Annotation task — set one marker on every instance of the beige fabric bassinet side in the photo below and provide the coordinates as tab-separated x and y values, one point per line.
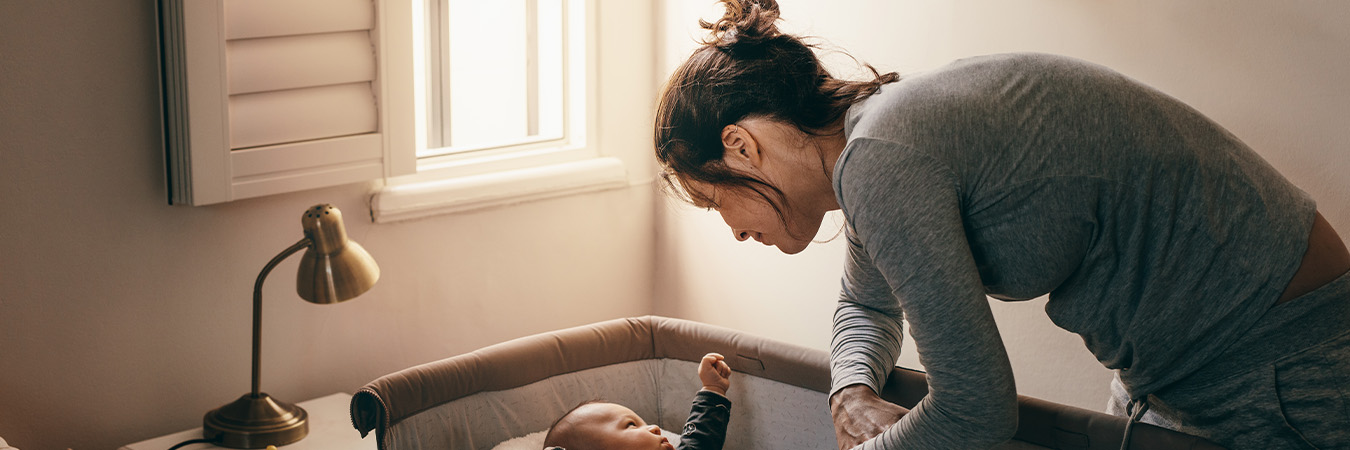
609	352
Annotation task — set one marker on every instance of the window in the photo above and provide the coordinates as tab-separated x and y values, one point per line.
455	105
495	72
505	79
507	105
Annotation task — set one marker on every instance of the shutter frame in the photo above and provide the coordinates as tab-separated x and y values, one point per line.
202	166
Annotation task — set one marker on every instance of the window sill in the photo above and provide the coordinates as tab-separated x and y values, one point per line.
417	200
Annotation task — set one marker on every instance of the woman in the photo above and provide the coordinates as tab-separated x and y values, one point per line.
1186	263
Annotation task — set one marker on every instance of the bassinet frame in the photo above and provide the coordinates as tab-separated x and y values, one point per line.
391	399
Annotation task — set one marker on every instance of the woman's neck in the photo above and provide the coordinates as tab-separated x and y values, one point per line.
829	146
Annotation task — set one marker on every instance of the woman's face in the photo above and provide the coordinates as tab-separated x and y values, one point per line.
750	216
782	156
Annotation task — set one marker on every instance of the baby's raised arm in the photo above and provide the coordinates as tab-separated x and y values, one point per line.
715	374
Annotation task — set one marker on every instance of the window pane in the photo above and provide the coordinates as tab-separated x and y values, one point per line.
502	77
550	68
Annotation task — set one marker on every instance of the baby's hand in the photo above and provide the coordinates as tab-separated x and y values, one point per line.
715	374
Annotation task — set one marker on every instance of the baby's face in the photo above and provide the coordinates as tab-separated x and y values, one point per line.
614	427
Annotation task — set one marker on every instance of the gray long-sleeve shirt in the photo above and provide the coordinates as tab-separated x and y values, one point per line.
1159	236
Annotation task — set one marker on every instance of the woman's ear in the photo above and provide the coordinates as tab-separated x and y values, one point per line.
740	146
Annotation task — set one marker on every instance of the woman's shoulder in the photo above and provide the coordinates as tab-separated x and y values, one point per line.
925	107
1021	62
868	165
966	75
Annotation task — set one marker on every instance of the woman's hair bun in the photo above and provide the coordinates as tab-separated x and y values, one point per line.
746	23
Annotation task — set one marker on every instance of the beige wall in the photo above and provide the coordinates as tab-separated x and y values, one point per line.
123	318
1274	74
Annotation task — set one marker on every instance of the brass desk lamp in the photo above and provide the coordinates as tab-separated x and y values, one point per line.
333	269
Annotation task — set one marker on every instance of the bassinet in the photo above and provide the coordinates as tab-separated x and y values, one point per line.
779	392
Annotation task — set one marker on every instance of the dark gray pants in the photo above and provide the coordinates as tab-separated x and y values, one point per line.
1284	385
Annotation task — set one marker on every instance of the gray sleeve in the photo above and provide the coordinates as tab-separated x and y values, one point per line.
905	210
867	325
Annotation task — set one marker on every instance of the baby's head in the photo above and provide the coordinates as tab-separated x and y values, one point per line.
604	426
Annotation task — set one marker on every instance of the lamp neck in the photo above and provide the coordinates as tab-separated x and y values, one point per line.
257	305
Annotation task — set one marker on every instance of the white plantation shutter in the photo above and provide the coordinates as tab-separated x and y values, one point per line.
272	96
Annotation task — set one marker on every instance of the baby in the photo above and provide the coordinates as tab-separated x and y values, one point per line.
607	426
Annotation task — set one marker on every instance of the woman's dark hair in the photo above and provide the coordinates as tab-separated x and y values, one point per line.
746	68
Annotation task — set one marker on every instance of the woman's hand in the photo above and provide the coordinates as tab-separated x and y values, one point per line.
715	374
859	414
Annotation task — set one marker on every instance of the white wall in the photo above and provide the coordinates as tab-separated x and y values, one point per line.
1274	74
123	318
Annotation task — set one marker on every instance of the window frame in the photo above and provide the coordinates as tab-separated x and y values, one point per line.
518	173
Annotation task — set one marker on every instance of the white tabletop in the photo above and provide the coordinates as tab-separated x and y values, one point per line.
330	428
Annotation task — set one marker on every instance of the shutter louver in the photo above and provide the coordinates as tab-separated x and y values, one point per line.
270	96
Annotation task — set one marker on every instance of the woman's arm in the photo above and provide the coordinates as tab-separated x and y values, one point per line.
867	325
864	348
904	210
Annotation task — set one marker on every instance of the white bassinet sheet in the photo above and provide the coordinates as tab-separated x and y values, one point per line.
535	441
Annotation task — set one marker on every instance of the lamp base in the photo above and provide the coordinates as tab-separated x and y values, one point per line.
256	422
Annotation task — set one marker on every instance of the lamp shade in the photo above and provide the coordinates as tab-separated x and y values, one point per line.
333	268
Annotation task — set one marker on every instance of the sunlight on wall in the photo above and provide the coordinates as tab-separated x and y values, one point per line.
1270	75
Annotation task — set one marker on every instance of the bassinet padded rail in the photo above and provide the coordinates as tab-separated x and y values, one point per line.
779	392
